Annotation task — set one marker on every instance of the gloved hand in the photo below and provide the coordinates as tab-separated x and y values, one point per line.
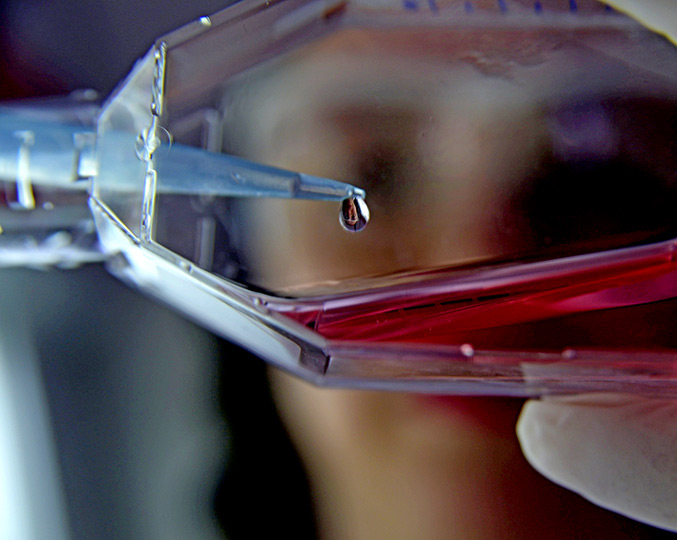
658	15
618	451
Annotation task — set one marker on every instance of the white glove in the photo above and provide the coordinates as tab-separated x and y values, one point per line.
618	451
659	15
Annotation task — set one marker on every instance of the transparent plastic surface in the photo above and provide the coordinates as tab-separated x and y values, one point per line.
515	160
481	136
124	119
497	148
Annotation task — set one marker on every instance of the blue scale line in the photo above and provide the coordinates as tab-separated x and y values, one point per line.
573	6
411	5
538	7
469	8
502	5
433	6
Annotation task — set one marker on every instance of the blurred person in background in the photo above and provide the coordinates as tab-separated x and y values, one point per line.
381	465
443	176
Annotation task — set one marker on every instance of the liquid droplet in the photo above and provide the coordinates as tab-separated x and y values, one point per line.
354	214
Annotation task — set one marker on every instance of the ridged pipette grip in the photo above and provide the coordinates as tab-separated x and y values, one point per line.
44	149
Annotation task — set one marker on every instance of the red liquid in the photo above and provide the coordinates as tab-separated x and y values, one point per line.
629	304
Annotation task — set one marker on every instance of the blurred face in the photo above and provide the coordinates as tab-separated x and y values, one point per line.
432	155
439	153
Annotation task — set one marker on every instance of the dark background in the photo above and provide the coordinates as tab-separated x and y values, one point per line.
156	422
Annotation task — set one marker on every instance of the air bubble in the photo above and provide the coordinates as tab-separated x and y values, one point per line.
205	21
467	350
140	147
261	305
354	214
149	141
569	354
